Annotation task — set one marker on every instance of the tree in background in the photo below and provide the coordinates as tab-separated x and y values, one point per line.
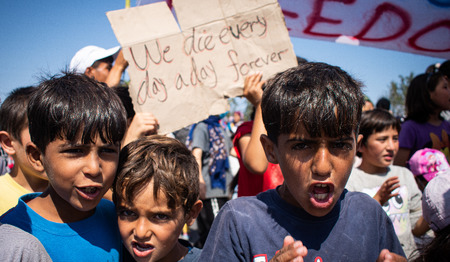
397	94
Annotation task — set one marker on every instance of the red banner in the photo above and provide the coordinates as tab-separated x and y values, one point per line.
421	27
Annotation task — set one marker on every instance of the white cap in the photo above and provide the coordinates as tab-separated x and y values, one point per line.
87	55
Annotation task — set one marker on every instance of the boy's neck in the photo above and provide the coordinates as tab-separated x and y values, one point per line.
29	182
52	207
371	169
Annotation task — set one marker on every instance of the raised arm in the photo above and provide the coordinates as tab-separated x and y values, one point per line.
115	74
251	149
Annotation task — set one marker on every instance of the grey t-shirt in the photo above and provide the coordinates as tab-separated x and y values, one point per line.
404	210
18	245
200	139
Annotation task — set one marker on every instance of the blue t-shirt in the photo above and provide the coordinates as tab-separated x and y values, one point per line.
95	238
253	229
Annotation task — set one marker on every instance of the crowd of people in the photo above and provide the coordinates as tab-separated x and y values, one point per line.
323	174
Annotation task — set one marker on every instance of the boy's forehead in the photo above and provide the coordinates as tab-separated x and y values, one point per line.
300	133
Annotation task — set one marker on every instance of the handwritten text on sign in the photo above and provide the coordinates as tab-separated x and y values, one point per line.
186	76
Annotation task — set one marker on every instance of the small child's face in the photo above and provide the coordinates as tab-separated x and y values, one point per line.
150	229
315	170
80	174
379	151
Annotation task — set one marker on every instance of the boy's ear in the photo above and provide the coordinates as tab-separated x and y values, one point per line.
89	71
359	143
34	156
269	148
6	142
193	214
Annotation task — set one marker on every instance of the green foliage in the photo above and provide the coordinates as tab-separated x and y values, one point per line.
397	94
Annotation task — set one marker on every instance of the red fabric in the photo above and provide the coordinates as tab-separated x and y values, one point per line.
250	184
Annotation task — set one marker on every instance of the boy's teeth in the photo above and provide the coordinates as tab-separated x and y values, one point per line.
90	190
321	185
142	247
320	196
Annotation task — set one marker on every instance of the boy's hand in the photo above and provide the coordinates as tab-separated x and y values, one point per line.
386	256
253	88
292	251
385	191
143	124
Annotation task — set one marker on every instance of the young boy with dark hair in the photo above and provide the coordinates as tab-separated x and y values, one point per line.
311	114
156	193
392	186
76	125
14	136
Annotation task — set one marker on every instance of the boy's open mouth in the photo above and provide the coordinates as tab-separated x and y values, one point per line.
141	249
89	192
321	193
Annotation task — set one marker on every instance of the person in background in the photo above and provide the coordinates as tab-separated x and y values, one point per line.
97	62
368	105
384	103
436	211
211	148
393	187
428	95
255	174
426	164
14	137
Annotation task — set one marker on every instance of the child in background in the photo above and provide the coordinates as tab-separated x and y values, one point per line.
76	125
392	186
426	164
256	174
14	136
156	193
428	95
436	211
311	114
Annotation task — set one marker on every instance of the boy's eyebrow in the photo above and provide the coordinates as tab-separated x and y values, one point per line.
313	140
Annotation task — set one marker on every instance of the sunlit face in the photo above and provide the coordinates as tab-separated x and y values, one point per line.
150	229
101	72
21	156
441	95
379	151
315	170
79	174
367	106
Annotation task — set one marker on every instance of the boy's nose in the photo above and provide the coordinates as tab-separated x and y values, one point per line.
92	166
321	165
142	230
390	144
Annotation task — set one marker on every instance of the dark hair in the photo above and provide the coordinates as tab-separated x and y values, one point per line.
383	103
321	97
375	121
124	95
167	162
109	60
437	249
13	111
445	68
419	105
72	105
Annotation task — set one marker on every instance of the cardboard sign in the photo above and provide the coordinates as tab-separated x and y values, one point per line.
183	76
